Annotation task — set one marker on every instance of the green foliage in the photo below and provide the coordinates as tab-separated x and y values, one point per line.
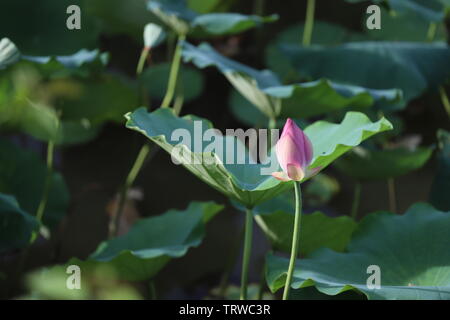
413	265
22	175
441	185
178	16
16	225
367	164
245	182
276	219
155	78
265	91
414	67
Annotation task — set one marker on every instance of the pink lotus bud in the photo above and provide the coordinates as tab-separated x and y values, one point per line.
294	153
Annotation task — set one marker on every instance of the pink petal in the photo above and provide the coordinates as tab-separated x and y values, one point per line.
280	175
295	172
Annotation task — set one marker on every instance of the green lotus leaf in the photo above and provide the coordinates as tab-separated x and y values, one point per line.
413	67
16	225
405	27
178	16
153	241
232	170
429	10
265	91
324	33
367	164
441	184
71	110
276	219
80	63
23	175
412	264
155	79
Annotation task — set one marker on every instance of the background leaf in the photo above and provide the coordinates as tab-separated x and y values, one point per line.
413	265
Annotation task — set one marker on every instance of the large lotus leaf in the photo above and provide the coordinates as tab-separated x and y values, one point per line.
106	97
153	241
78	63
23	175
231	170
324	33
16	225
367	164
155	79
404	27
40	28
178	16
63	110
439	195
265	91
429	10
276	219
411	66
413	264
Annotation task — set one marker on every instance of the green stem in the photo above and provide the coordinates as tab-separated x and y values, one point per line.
431	34
48	182
152	290
173	77
295	239
309	22
392	196
144	54
444	99
356	199
247	251
140	159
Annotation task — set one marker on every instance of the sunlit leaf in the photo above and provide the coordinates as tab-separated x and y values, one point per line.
413	264
231	169
265	91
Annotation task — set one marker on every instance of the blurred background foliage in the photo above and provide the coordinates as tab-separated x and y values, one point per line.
73	87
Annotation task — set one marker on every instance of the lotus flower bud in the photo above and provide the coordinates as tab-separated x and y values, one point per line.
294	153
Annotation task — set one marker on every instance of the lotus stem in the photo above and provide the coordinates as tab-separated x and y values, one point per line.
47	186
444	99
144	55
431	34
247	252
174	71
356	199
392	196
129	181
295	239
309	22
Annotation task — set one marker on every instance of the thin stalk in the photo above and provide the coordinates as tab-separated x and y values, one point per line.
444	99
392	196
262	284
309	22
141	64
173	77
356	199
295	239
48	183
431	34
152	290
140	159
247	251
